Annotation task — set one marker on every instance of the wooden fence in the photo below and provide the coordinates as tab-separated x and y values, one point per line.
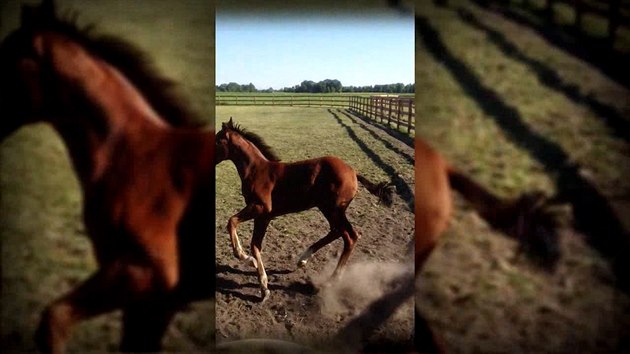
616	12
388	110
284	100
398	111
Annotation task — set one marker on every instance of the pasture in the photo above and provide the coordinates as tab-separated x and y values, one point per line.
45	251
296	311
518	113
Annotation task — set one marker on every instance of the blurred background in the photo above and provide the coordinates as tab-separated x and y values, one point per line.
520	97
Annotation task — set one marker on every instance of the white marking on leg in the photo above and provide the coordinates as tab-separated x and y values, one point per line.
252	260
264	290
304	257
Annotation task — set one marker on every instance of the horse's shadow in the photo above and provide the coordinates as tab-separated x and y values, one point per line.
230	287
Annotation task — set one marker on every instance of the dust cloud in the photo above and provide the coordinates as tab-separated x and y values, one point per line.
360	285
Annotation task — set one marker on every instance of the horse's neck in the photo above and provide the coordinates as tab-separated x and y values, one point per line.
97	106
248	159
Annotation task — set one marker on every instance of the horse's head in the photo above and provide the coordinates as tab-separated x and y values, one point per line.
232	137
22	99
223	142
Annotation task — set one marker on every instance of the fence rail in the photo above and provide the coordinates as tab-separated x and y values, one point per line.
399	111
393	111
614	11
284	100
610	9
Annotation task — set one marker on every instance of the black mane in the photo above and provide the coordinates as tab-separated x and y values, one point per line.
134	63
255	139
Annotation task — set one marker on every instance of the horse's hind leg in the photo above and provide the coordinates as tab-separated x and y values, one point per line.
332	235
108	289
333	217
350	237
260	226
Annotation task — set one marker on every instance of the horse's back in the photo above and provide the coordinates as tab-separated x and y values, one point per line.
320	182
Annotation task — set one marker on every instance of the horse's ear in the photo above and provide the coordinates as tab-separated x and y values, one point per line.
223	126
231	123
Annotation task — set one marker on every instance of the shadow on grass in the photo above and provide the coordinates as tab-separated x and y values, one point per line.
406	139
548	77
592	213
594	51
402	188
385	142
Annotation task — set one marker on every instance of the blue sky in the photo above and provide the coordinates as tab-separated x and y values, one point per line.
282	52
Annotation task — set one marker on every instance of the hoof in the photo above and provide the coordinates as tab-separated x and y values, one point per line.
264	293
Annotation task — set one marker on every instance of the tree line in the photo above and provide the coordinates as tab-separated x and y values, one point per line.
324	86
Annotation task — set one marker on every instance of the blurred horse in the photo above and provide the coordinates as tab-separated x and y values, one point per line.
530	218
272	188
148	186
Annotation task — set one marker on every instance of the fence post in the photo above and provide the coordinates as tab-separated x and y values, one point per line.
398	117
364	106
371	108
389	111
410	115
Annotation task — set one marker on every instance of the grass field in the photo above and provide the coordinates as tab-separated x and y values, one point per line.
45	251
517	113
311	94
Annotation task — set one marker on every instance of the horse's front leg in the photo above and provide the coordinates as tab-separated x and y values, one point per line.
112	287
260	227
249	212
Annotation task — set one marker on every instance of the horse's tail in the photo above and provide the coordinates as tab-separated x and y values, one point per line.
383	190
531	217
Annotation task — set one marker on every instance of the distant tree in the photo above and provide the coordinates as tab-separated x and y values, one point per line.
248	88
233	87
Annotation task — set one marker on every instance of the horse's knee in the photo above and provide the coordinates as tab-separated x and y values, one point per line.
231	225
350	239
168	279
145	279
54	328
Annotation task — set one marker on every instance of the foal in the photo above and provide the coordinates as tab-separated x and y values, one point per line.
147	186
272	188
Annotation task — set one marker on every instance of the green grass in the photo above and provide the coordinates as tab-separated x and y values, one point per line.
302	133
45	251
310	94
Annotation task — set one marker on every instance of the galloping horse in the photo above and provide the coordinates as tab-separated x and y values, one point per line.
272	188
530	218
148	187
